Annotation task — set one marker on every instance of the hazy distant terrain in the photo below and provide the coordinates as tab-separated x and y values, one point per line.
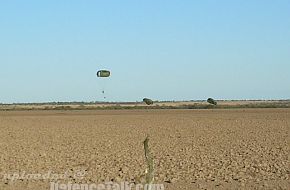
140	105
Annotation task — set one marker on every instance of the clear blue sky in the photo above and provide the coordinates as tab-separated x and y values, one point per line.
165	50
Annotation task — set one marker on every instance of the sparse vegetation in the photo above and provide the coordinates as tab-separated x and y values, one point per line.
223	104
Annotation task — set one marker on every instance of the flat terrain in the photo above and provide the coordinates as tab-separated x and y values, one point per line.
193	149
194	104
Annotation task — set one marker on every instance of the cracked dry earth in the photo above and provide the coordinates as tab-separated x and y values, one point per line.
193	149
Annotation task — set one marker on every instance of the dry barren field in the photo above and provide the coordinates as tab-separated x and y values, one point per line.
193	149
193	104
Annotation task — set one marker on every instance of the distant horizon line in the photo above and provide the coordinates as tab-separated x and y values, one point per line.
124	102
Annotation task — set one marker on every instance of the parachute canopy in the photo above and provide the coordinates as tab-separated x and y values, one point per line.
211	101
103	73
148	101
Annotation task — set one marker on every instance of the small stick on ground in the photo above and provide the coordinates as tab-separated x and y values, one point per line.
150	164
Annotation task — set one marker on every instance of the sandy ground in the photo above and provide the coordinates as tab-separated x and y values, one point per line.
193	149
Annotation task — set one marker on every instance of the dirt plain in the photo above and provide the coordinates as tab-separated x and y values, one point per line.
193	149
193	104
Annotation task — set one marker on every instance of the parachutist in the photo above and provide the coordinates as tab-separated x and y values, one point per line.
103	74
211	101
148	101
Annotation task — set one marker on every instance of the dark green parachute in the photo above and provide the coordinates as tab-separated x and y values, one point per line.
103	73
148	101
211	101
